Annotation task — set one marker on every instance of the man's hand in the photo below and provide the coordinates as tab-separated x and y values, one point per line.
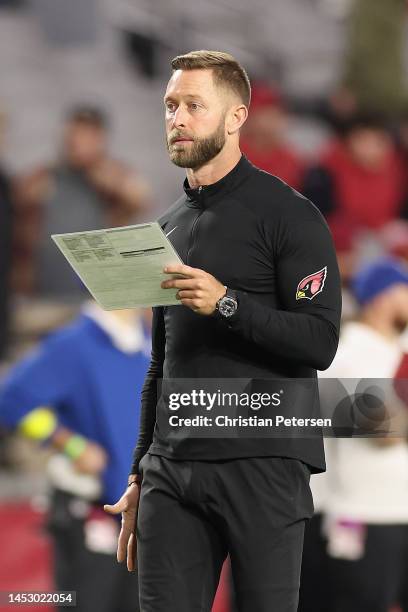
92	460
198	290
87	457
128	505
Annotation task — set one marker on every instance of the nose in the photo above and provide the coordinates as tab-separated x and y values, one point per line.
180	117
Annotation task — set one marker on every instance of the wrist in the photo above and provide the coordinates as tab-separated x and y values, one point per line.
134	479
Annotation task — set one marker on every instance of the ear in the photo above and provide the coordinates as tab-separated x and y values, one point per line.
236	118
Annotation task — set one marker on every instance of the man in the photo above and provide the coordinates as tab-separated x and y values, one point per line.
358	183
78	392
265	140
260	297
82	190
359	180
364	494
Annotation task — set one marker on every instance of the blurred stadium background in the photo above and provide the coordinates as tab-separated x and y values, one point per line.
82	145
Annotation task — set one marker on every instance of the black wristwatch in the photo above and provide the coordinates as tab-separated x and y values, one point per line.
227	305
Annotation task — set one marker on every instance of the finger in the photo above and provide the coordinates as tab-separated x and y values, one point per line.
123	540
117	508
131	552
182	269
181	295
180	283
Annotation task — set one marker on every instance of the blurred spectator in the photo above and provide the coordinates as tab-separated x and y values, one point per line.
264	137
315	594
83	190
401	388
5	244
79	392
374	61
394	238
358	183
402	135
401	379
366	496
340	108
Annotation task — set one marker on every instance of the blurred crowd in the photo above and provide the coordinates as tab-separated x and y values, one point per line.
72	373
83	188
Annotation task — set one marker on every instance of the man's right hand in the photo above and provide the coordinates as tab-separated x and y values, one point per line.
128	505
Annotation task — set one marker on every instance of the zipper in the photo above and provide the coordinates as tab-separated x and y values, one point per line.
192	233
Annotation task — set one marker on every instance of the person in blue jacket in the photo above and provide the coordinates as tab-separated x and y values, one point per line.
79	392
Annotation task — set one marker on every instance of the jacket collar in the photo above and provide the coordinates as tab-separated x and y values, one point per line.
203	196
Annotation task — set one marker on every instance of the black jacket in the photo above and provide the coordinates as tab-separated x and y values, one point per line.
261	238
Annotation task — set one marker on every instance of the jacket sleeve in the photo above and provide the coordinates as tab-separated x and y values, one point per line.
150	391
42	379
305	326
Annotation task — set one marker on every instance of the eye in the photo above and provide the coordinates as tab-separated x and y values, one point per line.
194	106
170	107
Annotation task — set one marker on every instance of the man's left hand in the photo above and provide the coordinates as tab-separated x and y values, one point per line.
199	290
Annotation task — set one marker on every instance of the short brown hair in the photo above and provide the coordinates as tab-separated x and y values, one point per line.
88	115
226	70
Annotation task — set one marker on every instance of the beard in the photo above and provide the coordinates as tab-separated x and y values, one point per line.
200	151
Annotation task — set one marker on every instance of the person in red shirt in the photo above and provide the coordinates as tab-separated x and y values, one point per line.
359	179
264	137
402	142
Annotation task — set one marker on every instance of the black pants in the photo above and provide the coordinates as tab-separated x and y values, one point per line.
101	584
193	513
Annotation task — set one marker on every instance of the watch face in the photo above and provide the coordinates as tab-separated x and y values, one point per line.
227	307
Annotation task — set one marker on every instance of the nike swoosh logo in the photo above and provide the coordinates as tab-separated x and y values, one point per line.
171	231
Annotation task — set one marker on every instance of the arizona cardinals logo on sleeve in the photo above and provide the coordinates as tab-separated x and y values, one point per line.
311	285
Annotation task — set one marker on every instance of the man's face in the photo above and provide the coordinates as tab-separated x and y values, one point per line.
84	143
394	301
195	118
400	296
369	147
